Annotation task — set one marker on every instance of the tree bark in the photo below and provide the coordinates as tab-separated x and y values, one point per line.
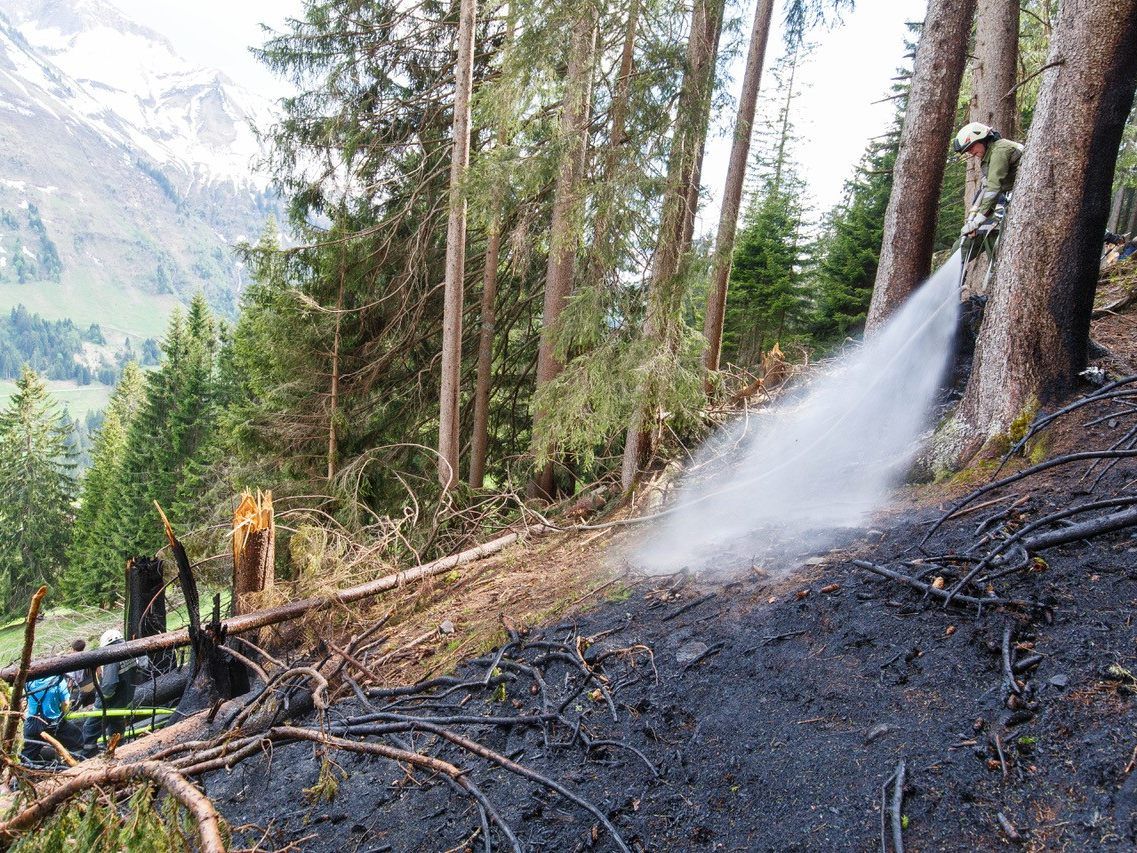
334	390
1034	339
993	74
564	234
910	219
254	549
680	202
732	192
448	435
1115	210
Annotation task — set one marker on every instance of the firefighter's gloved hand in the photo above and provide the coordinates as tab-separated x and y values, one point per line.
974	221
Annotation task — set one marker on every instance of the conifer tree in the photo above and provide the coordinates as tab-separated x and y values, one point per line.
170	439
94	568
768	297
36	492
851	236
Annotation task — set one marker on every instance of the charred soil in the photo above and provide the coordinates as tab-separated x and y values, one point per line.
763	715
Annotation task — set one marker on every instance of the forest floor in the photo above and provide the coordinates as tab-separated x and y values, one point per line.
770	713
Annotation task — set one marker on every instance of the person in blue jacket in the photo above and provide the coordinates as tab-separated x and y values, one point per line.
48	699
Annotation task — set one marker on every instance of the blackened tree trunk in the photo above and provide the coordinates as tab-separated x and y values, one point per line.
993	75
1034	339
448	435
910	220
732	192
564	236
661	326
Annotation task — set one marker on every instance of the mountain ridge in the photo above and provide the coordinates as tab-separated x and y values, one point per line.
122	178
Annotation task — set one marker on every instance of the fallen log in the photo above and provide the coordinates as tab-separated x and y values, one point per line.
1106	524
57	664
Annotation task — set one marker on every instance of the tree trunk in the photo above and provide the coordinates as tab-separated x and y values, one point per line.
680	201
732	193
602	241
1115	210
480	439
448	440
334	391
1034	340
910	220
563	235
254	550
993	75
1131	225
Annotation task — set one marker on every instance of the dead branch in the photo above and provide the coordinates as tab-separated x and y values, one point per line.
1085	530
58	664
15	705
1035	525
173	782
436	765
897	806
928	589
1009	684
532	775
1021	475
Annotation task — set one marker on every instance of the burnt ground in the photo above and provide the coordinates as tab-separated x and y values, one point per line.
784	732
783	735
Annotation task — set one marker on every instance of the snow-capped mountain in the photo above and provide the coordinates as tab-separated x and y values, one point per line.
193	120
120	162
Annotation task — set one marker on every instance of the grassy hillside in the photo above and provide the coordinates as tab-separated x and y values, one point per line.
120	310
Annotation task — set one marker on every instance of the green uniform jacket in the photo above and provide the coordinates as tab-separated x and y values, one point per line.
1000	165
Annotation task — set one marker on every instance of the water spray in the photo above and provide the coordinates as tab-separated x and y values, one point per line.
822	460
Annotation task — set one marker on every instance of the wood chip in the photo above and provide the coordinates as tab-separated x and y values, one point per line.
832	587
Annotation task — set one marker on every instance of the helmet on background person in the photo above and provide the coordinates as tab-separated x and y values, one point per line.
111	635
971	133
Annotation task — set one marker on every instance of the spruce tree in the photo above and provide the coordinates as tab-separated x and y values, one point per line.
36	491
170	440
94	568
850	244
768	298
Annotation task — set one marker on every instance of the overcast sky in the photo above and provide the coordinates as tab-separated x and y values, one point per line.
850	68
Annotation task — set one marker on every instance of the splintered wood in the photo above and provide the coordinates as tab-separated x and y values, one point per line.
254	549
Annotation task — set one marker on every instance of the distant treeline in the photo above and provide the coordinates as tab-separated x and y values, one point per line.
51	348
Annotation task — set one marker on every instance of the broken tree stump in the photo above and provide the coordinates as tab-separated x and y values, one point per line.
146	606
254	550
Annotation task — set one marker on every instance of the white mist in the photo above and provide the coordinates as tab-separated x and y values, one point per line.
792	479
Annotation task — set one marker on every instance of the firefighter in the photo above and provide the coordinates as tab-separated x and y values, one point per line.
114	688
48	699
999	162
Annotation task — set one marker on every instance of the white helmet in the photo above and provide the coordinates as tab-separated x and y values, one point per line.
971	133
111	635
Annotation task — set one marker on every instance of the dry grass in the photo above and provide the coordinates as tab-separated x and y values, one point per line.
529	584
